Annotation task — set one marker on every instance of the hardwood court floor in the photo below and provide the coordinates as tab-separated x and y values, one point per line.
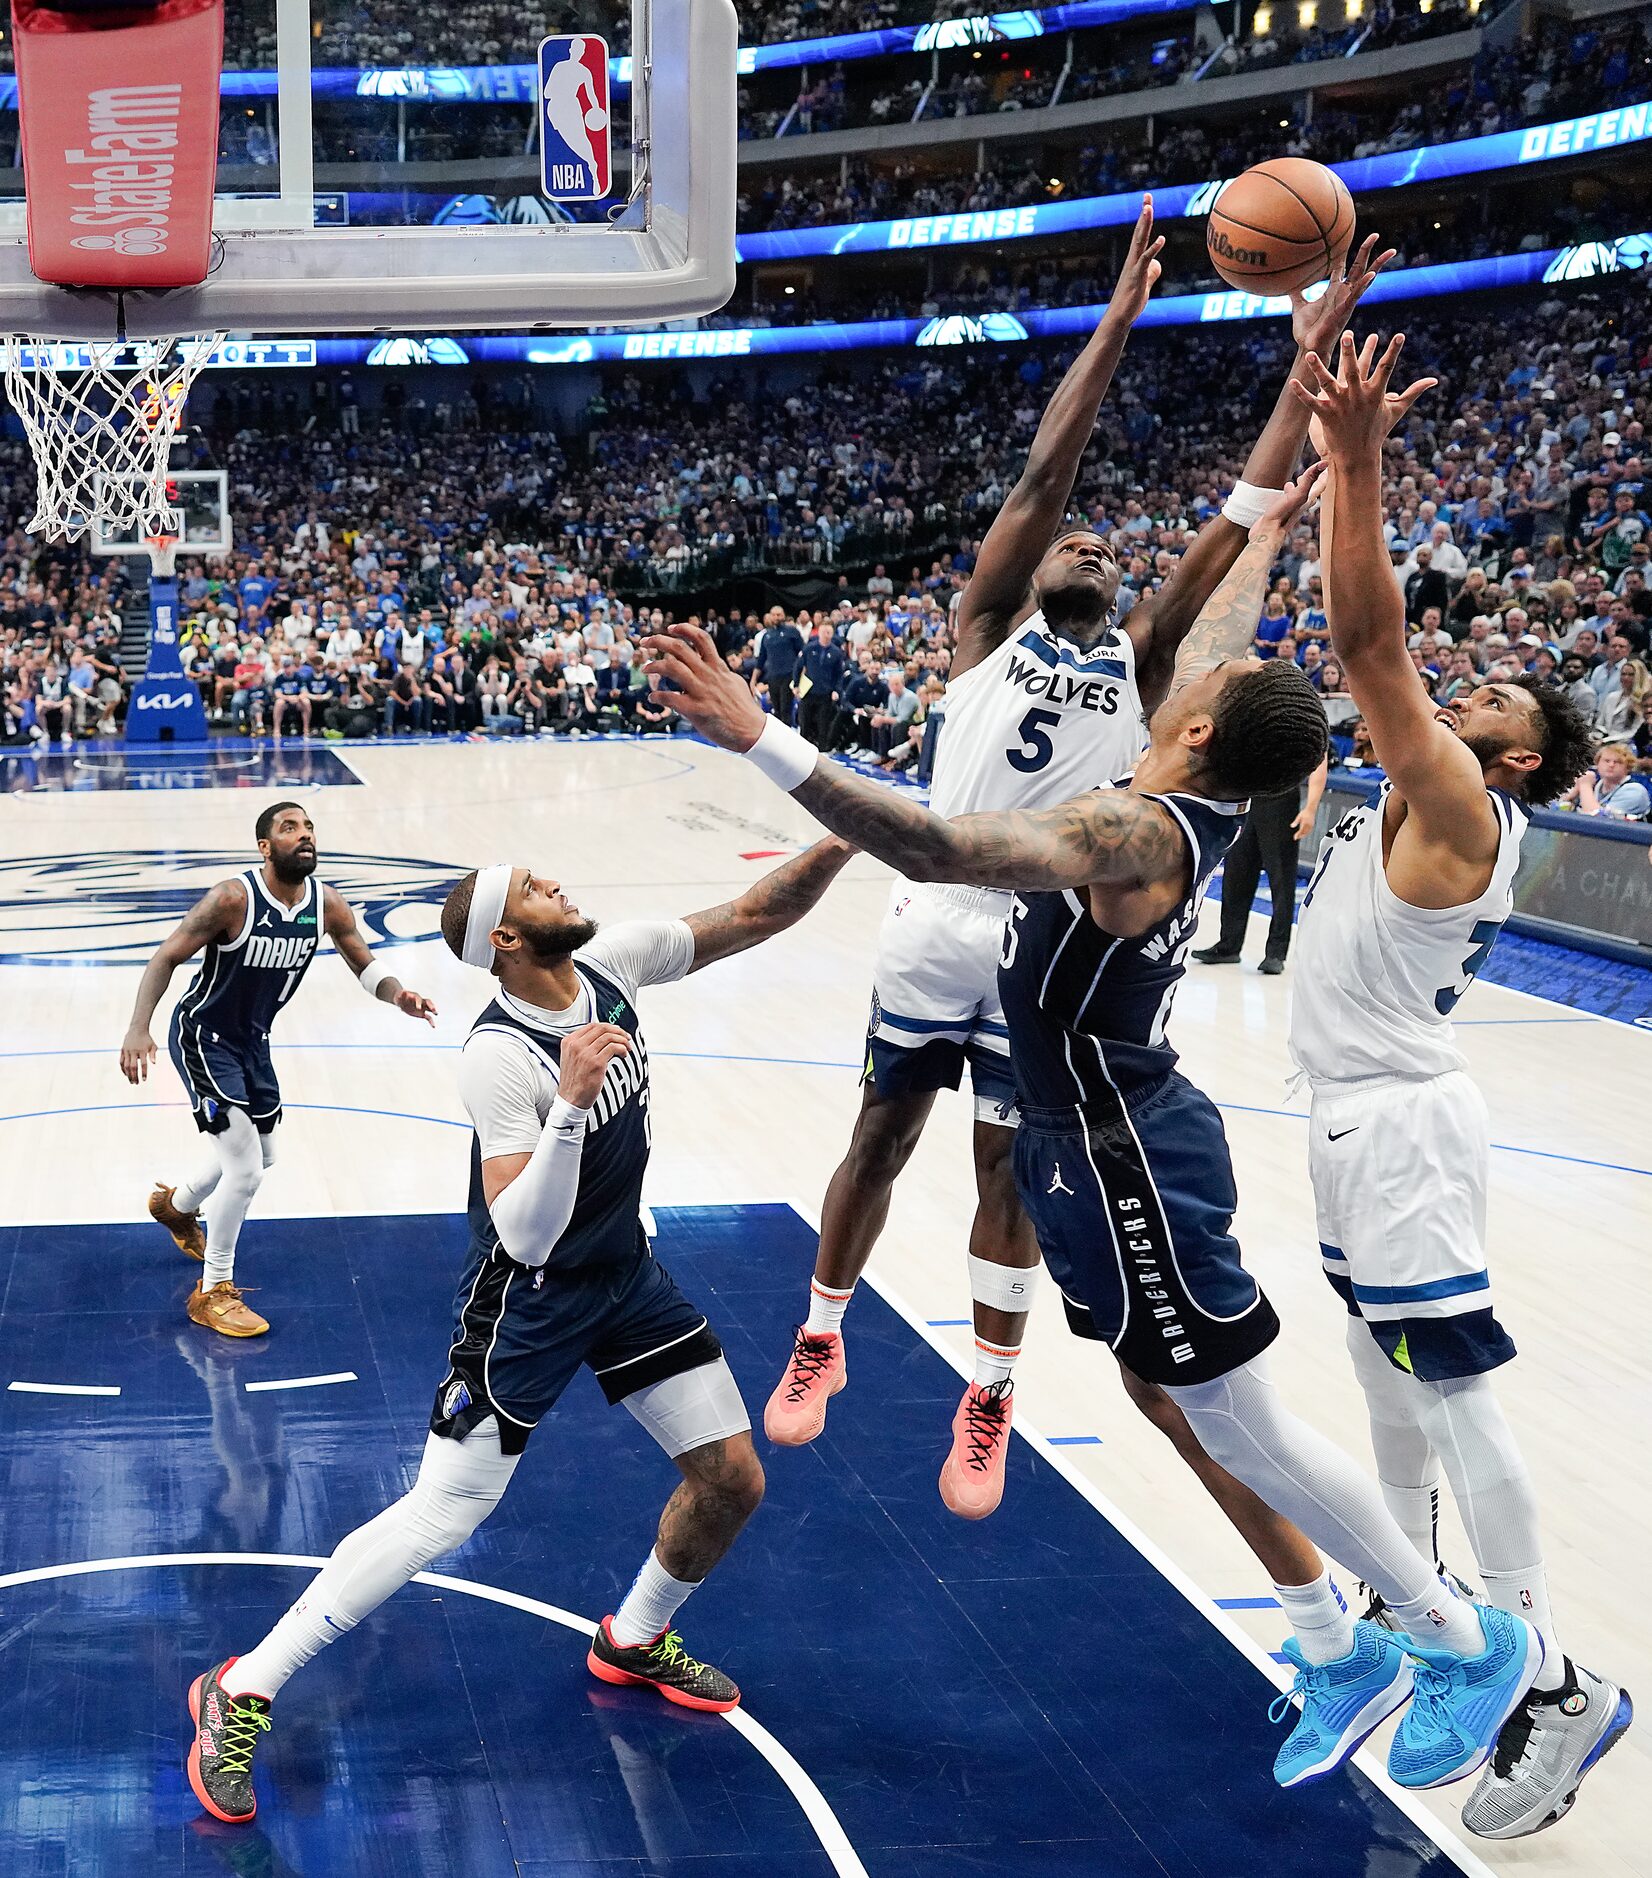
755	1086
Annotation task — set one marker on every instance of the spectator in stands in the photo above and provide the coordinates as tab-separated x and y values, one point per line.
1621	716
1609	788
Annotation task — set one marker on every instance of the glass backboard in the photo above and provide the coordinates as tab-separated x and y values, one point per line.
389	165
200	499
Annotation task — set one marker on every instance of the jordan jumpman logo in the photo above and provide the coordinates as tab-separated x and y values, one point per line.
1058	1185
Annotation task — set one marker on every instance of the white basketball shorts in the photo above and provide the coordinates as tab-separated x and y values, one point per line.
935	997
1399	1172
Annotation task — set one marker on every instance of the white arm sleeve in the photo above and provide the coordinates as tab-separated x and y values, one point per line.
501	1085
641	952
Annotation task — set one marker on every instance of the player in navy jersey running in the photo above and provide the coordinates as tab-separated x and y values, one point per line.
259	933
1123	1166
560	1273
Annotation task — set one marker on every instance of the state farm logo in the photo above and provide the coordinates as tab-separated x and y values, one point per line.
131	134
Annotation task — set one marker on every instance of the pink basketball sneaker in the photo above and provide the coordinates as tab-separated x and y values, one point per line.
972	1480
796	1412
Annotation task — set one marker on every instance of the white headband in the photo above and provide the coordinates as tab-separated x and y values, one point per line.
487	908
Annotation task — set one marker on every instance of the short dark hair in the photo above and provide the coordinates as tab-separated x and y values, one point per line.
261	828
456	913
1268	732
1568	744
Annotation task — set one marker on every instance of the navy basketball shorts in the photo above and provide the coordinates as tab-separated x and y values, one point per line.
1133	1213
935	998
522	1333
223	1073
1400	1172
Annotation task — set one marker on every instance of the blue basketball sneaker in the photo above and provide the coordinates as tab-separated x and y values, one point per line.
1342	1702
1460	1703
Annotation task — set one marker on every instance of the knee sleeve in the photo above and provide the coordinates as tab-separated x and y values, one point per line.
1405	1454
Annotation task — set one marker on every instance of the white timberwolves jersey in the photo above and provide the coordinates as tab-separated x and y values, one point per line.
1037	722
1375	979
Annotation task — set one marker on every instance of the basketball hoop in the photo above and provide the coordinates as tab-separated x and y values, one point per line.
101	417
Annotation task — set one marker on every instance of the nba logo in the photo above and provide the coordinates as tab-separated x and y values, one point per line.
575	153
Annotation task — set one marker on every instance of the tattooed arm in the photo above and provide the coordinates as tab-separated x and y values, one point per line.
780	899
1110	838
1226	627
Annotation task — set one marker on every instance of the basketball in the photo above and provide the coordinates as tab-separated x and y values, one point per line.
596	118
1280	226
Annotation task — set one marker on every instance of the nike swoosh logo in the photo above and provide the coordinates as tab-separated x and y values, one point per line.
1346	1131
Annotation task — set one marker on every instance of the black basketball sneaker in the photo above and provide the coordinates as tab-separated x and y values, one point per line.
662	1664
220	1757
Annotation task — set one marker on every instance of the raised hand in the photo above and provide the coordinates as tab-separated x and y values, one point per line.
1141	269
1290	502
1316	325
1354	407
715	700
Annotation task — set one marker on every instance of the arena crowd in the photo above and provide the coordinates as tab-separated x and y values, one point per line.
458	569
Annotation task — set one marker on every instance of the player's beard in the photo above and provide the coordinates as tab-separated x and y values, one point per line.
548	947
293	869
1486	747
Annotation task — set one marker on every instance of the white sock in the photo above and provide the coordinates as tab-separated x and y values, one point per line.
459	1484
993	1362
649	1605
1526	1594
1319	1617
826	1308
1440	1620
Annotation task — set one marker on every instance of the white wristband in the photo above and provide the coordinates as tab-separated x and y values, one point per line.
783	755
373	977
565	1117
1249	503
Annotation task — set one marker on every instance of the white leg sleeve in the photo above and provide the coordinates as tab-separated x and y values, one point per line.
1494	1495
242	1163
192	1192
1408	1469
1242	1424
459	1484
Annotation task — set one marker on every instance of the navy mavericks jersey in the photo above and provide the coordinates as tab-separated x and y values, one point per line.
244	981
603	1228
1087	1011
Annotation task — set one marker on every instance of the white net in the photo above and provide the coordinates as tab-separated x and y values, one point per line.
101	419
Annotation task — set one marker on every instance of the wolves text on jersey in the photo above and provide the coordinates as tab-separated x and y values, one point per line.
1064	688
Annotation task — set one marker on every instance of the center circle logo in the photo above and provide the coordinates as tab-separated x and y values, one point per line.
113	906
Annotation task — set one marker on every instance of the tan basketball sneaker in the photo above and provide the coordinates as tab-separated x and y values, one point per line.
221	1309
184	1227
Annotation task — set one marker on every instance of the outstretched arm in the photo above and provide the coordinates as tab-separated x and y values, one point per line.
1158	624
1226	627
1109	838
1023	528
1435	773
780	899
339	923
216	915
